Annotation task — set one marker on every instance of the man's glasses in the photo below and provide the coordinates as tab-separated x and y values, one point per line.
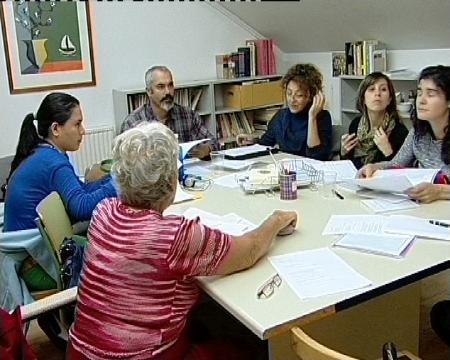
267	289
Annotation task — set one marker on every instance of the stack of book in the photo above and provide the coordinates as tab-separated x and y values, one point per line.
233	124
136	100
261	119
257	57
188	97
364	57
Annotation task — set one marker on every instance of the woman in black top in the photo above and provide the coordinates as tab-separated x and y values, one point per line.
377	134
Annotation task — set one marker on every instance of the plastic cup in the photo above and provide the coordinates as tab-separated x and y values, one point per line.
327	184
217	158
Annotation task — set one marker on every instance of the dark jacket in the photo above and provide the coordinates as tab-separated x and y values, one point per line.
289	131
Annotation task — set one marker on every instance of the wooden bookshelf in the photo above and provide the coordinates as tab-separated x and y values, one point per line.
209	98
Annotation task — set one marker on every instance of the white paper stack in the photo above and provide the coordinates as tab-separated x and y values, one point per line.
230	224
318	272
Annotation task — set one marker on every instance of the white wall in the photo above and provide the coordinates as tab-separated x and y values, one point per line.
413	60
128	38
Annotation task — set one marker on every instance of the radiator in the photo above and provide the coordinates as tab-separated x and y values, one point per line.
96	146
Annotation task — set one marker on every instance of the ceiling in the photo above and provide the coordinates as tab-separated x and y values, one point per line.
324	25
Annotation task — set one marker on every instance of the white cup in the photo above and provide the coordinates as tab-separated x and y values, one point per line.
327	184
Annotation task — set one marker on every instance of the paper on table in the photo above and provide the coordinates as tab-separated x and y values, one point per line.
344	169
236	164
372	194
181	195
317	272
230	224
245	150
382	206
187	146
228	181
387	244
411	225
343	224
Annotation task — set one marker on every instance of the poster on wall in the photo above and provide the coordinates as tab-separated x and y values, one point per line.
47	44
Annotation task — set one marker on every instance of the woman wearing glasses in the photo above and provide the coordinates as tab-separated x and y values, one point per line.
137	286
303	127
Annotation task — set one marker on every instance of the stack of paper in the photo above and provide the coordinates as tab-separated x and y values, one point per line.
382	206
317	272
396	180
389	245
366	233
411	225
230	224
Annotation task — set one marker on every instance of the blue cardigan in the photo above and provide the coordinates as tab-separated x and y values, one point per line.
46	170
290	132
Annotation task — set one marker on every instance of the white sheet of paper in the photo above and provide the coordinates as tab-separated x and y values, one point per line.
181	195
187	146
237	164
344	169
383	206
372	194
394	183
230	224
387	244
411	225
364	224
396	180
245	150
228	181
317	272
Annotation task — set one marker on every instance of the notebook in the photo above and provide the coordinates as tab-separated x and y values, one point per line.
248	152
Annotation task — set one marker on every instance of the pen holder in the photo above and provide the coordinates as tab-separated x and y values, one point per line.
288	185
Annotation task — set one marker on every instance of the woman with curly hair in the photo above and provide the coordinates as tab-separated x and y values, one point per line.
428	142
377	134
303	127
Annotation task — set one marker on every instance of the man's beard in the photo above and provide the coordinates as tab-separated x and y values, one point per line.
167	103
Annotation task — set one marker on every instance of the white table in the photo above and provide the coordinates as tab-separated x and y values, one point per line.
271	317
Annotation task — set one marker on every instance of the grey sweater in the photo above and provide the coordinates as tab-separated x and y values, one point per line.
422	152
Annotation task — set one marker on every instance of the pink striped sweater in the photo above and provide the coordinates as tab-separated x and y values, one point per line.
137	284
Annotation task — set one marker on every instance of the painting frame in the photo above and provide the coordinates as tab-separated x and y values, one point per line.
60	74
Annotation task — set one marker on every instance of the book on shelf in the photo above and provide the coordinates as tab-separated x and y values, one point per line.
196	94
364	57
251	45
257	57
246	60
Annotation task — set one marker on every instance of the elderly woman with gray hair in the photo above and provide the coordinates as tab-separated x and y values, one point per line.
137	285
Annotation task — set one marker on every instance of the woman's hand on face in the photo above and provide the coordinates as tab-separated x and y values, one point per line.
317	105
425	192
381	140
348	143
367	171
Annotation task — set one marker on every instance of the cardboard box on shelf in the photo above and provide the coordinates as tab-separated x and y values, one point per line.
246	96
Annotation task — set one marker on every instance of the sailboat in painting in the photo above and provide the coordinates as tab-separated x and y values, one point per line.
67	47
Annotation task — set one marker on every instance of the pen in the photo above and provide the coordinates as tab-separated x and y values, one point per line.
338	195
439	223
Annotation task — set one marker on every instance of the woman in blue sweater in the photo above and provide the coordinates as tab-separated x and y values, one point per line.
303	128
41	166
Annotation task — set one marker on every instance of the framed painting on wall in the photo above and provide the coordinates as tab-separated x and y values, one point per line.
47	44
